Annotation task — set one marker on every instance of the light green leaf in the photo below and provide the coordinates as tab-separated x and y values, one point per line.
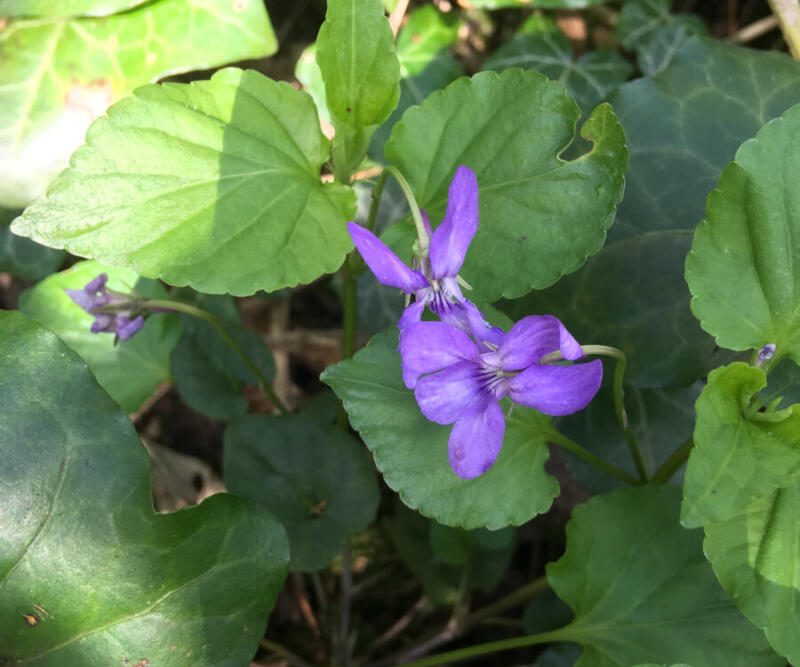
213	184
208	374
755	555
661	419
645	592
541	216
649	28
589	79
741	269
411	452
307	72
22	257
57	77
129	371
356	54
16	8
683	126
739	453
316	479
100	577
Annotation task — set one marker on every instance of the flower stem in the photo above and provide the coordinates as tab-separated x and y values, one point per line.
673	463
199	313
376	200
422	233
581	452
788	15
523	594
483	649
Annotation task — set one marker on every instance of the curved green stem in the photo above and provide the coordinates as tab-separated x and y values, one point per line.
673	463
518	597
199	313
581	452
422	233
376	200
483	649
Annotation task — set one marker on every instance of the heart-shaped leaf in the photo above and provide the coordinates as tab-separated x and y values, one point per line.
129	371
541	216
742	267
411	452
644	592
58	76
213	184
314	477
88	572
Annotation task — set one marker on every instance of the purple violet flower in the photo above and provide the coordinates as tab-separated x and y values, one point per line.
458	381
434	283
94	296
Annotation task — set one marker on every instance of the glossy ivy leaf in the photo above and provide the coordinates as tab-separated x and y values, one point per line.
654	32
510	129
426	64
683	126
356	55
213	184
88	571
58	76
739	453
48	8
411	452
208	374
664	604
754	555
316	479
129	371
22	257
589	79
662	419
741	269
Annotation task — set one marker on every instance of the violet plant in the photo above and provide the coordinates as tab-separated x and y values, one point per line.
665	238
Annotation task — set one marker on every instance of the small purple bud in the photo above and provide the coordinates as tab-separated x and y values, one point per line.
94	298
766	353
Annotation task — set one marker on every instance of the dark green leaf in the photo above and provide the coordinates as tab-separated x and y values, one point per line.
316	479
209	375
540	215
213	184
411	452
739	454
129	371
22	257
645	592
58	76
741	269
88	572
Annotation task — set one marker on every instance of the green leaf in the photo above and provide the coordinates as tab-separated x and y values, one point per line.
22	257
356	54
307	72
754	555
739	453
16	8
647	593
213	184
661	419
683	126
411	452
541	216
589	79
316	479
99	576
208	374
741	269
649	28
57	77
129	371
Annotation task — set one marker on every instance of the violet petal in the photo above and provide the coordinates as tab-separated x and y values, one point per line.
475	441
411	315
557	390
388	268
533	337
97	284
82	298
127	327
103	322
451	393
451	239
427	347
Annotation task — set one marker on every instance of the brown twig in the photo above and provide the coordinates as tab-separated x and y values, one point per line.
401	624
397	16
753	30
